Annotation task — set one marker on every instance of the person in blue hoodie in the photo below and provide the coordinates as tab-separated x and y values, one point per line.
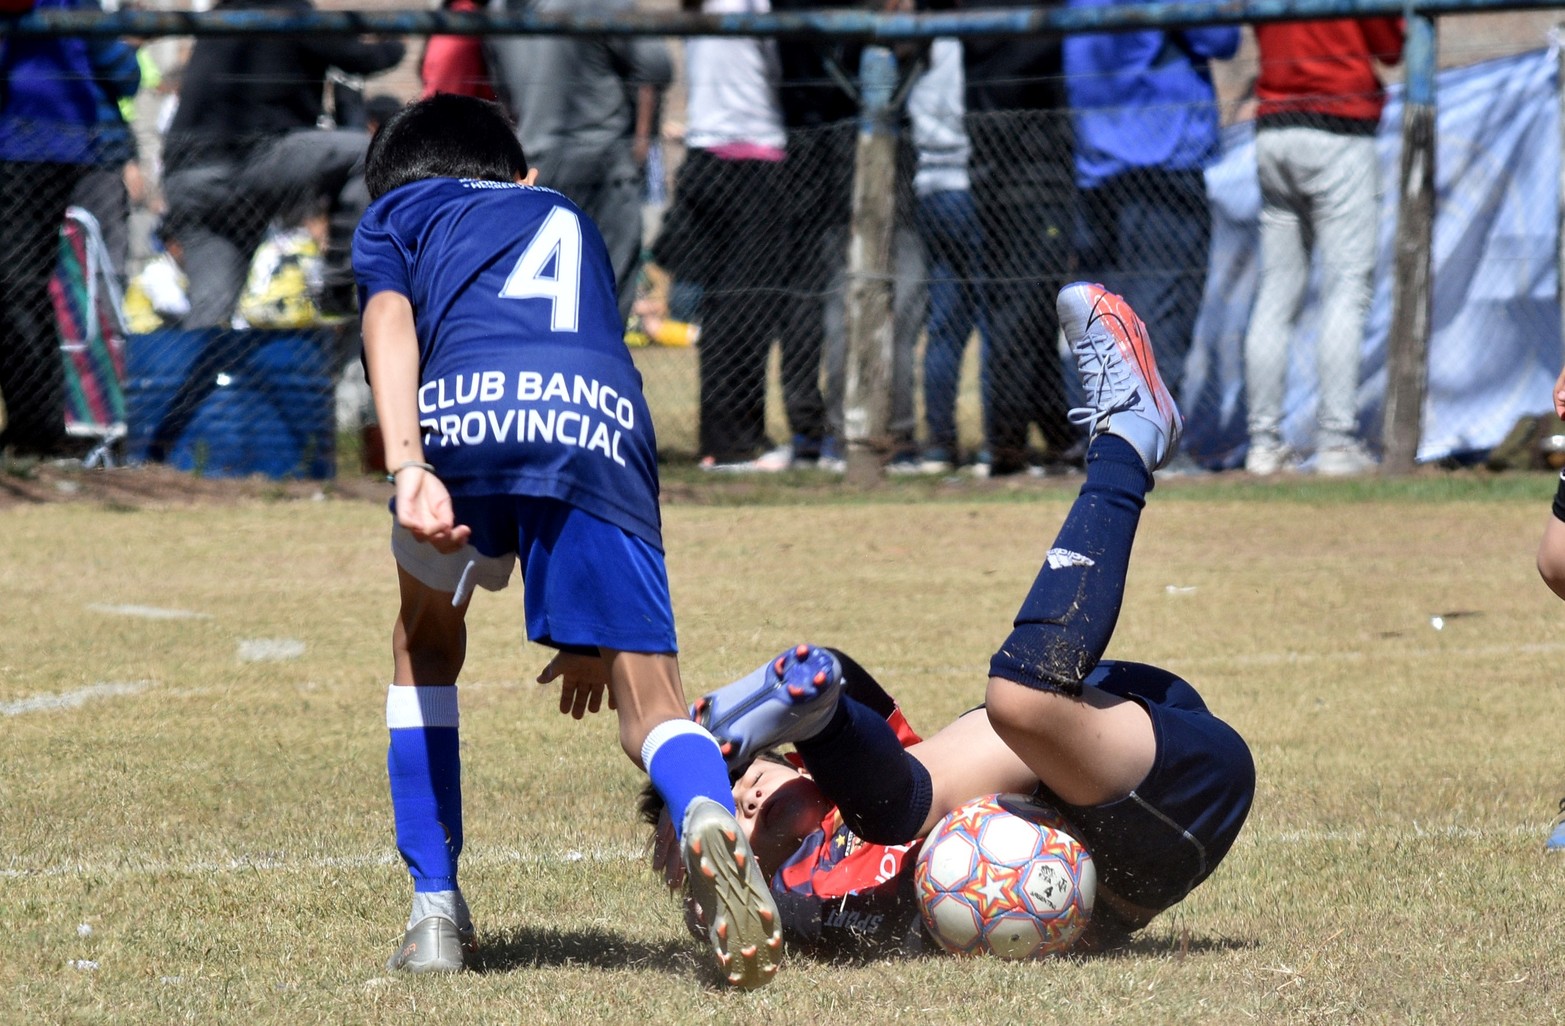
51	91
1147	126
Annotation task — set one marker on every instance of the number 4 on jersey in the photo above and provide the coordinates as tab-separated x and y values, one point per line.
558	243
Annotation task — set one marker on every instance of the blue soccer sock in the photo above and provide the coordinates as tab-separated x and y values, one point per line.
425	769
858	762
684	763
1069	615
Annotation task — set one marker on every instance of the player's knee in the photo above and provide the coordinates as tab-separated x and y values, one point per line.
1010	711
1044	659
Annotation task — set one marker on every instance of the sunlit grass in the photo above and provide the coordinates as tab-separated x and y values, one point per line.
205	838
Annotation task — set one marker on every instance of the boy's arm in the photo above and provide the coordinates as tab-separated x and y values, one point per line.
391	358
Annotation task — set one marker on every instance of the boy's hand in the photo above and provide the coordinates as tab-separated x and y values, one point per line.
1559	396
424	508
583	680
667	856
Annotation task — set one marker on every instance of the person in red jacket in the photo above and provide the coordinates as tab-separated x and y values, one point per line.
456	64
1320	98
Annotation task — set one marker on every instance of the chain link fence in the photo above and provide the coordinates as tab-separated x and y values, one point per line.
224	341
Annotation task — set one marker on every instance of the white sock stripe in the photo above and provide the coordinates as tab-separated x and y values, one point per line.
408	707
665	731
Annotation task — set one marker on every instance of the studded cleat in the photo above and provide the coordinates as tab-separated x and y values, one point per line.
789	699
721	876
1125	394
434	944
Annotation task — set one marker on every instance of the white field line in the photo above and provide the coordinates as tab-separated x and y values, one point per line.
270	650
72	699
148	612
277	862
1360	656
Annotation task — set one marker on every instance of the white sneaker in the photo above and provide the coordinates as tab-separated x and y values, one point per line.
1182	465
1267	457
772	462
1125	394
1346	460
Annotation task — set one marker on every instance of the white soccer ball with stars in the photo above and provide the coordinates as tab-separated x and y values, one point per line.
1001	876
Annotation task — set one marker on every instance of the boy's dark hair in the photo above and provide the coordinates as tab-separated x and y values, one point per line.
445	136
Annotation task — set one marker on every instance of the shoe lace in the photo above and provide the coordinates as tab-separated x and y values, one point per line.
1108	382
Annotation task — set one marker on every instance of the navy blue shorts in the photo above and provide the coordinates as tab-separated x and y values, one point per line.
1155	845
585	582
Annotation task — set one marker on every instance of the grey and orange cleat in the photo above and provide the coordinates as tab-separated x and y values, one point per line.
740	914
789	699
1125	394
434	944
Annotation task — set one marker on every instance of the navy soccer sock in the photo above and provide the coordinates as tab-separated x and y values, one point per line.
1068	616
684	763
425	770
857	760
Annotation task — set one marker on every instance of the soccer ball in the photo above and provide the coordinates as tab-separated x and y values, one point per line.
1000	876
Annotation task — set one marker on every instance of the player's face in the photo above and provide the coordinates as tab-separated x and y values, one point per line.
778	808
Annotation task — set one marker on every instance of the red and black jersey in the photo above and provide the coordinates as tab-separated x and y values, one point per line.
840	892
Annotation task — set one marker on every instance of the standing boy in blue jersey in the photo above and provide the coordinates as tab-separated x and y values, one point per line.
515	429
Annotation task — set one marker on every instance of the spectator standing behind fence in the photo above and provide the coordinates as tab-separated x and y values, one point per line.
51	95
1147	126
722	229
1024	191
574	99
948	227
820	107
1320	99
245	145
456	64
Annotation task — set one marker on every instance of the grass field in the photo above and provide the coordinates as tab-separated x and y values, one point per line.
194	825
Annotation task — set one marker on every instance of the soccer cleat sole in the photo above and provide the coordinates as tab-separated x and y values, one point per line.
742	924
788	699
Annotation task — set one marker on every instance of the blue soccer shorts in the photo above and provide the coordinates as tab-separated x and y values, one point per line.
1153	846
585	582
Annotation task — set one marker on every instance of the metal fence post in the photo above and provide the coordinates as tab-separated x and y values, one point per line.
866	397
1407	349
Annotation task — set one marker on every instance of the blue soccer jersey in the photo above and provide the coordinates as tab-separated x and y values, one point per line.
525	384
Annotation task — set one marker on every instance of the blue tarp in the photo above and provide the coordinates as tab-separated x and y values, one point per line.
1495	346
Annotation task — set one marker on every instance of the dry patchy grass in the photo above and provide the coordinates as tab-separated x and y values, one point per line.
191	832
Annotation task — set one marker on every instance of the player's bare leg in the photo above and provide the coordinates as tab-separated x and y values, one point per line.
429	638
721	873
1089	749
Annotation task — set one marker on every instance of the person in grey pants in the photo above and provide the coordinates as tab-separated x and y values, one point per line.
575	101
1320	101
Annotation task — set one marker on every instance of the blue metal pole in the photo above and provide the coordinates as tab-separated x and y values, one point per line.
861	25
